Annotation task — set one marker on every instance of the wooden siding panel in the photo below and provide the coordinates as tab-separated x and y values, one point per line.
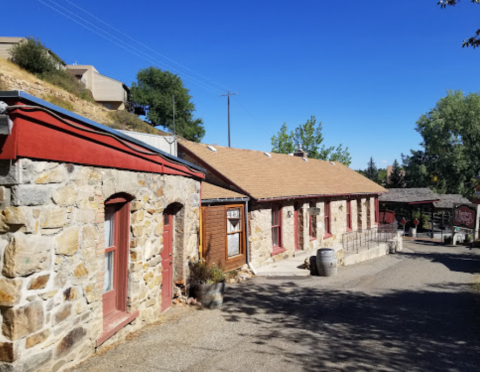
215	239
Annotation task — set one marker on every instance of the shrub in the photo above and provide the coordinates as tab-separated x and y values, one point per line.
201	273
68	82
128	121
59	102
32	56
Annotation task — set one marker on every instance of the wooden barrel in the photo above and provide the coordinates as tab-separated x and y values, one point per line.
210	295
327	262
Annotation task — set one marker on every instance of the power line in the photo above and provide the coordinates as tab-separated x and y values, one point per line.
145	46
128	46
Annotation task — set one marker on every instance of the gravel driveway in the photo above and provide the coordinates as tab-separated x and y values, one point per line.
413	311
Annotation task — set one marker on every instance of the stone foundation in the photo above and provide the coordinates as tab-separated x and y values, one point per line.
52	256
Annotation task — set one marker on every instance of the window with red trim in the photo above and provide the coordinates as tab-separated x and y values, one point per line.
328	231
349	215
377	210
276	227
312	224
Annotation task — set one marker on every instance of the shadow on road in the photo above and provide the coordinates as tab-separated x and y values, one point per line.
459	262
320	329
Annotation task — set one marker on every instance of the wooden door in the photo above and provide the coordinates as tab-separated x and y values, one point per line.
296	226
167	262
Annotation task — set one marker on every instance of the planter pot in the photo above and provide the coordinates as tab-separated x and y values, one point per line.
209	295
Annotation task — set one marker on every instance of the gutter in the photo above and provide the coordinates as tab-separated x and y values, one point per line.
315	196
220	200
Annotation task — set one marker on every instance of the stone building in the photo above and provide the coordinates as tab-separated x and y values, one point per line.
95	229
296	203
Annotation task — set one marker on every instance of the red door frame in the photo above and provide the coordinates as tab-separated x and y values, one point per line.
116	299
167	261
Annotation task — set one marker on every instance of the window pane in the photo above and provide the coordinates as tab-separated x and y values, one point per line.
233	244
166	219
109	226
275	237
233	225
108	279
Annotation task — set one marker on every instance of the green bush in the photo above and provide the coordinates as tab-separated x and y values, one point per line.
68	82
201	273
32	56
36	59
128	121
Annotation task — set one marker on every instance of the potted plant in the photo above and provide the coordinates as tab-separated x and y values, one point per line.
206	283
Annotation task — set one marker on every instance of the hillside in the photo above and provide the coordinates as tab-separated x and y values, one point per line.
14	78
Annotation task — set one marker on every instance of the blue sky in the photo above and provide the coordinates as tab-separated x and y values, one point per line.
366	69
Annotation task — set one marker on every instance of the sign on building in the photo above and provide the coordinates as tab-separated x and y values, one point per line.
464	216
314	211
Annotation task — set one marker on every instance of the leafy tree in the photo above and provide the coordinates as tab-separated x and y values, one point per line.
382	176
154	90
451	142
473	41
372	172
396	179
309	137
284	143
32	56
416	172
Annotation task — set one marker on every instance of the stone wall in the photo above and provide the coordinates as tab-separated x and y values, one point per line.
261	232
52	256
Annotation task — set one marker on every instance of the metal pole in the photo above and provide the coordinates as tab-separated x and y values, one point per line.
228	96
229	121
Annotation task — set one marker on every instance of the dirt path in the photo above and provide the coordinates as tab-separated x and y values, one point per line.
413	311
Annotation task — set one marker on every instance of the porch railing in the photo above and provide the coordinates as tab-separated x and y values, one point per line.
357	241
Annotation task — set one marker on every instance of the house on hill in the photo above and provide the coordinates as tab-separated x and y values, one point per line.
295	203
7	43
111	93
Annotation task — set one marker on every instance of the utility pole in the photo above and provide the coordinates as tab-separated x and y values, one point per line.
228	95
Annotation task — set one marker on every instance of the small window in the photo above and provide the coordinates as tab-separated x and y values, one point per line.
312	226
349	215
234	231
328	230
277	227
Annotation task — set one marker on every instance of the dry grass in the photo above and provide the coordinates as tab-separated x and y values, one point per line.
113	119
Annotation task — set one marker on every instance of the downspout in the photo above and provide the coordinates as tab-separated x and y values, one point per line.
248	240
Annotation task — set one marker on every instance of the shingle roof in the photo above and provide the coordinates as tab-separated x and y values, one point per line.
413	195
210	191
447	201
279	175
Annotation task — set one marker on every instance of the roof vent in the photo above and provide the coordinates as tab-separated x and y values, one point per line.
291	154
305	159
267	154
212	149
332	163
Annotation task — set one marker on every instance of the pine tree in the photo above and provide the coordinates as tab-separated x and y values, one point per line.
397	177
372	172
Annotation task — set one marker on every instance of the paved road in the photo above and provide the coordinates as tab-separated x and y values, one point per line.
413	311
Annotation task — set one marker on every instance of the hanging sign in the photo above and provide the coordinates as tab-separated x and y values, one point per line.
403	221
416	222
464	216
314	211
